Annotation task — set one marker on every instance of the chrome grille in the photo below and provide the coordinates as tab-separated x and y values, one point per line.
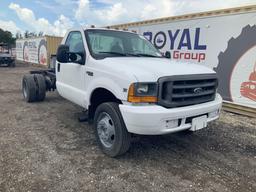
178	91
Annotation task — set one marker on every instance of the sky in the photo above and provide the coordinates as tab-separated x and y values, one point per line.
54	17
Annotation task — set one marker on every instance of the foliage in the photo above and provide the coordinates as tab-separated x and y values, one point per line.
28	34
6	37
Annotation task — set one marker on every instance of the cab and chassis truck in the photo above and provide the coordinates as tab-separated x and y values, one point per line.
126	87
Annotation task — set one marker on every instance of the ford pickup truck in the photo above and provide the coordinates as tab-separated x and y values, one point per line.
127	87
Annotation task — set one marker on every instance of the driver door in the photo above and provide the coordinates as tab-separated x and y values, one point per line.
71	75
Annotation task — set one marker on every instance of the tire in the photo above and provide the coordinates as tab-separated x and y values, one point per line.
41	87
108	115
228	59
29	88
12	64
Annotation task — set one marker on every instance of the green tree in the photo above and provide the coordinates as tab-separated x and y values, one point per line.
26	34
40	34
6	37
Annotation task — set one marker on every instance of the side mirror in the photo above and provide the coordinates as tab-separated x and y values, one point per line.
63	53
72	57
80	58
167	54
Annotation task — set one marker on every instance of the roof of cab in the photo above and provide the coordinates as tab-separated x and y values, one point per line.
107	29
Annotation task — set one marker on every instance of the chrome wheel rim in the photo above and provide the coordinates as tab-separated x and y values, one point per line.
106	130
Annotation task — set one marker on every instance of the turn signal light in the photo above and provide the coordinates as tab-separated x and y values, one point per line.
133	98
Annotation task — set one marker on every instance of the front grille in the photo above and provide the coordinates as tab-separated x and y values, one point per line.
178	91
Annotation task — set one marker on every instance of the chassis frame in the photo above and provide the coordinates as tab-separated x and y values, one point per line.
50	78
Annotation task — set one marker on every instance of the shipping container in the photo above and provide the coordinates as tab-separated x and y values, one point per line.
224	40
37	50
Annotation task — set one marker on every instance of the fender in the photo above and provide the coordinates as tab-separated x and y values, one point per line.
108	84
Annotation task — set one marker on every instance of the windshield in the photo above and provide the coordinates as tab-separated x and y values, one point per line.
4	49
106	43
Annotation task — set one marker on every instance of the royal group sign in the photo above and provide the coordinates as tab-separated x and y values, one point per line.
179	40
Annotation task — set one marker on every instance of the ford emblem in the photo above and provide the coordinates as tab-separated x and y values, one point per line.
198	90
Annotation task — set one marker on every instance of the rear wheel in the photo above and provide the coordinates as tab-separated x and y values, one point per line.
29	88
34	87
110	130
41	87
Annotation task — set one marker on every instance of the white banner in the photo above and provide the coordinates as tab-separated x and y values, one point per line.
32	50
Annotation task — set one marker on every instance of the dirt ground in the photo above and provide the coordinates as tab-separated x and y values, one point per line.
43	147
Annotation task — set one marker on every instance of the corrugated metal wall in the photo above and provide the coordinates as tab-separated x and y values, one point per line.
52	46
219	12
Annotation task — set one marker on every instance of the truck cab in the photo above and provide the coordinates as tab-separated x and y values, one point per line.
6	57
128	87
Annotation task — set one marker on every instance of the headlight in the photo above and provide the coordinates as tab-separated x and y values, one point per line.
142	88
143	93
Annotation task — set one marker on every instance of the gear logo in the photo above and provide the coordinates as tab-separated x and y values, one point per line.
236	68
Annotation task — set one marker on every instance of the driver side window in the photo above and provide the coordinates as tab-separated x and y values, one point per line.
75	43
106	43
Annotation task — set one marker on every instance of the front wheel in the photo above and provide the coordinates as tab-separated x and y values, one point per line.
110	130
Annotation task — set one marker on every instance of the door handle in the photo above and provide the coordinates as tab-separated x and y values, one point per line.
89	73
58	67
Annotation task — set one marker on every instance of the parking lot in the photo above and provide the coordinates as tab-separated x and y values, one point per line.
43	147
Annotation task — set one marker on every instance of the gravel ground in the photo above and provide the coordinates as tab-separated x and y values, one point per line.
43	147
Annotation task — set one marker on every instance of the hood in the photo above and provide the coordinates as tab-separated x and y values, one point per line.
151	69
5	55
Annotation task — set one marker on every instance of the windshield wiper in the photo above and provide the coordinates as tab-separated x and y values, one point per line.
129	54
121	54
147	55
113	53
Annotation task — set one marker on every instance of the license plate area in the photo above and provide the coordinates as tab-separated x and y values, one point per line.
199	123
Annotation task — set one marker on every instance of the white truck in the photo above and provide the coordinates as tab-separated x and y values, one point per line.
6	57
127	87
